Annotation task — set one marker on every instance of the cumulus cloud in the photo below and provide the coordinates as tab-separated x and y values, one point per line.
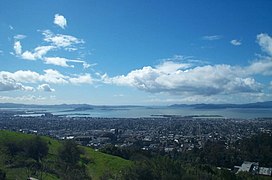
265	41
46	88
82	79
9	84
60	21
56	42
53	76
236	42
53	42
212	38
56	61
187	78
182	79
61	40
263	67
37	53
49	76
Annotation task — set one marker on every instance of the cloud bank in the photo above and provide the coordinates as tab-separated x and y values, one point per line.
15	81
186	78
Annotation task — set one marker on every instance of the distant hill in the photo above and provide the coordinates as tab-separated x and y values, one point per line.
83	107
63	106
72	106
266	104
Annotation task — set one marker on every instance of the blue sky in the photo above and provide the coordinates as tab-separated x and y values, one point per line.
135	52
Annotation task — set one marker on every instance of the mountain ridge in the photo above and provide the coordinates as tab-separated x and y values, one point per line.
265	104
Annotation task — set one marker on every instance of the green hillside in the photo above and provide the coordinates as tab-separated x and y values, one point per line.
97	164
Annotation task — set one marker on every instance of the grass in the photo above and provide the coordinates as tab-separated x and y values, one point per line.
103	163
99	164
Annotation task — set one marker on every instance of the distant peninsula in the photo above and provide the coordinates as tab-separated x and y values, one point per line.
266	104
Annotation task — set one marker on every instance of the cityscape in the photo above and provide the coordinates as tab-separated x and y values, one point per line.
163	132
135	90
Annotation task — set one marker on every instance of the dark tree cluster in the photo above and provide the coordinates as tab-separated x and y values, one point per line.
69	160
32	154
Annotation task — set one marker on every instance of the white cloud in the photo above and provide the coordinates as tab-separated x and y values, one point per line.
200	80
50	76
86	65
170	66
11	27
265	41
21	76
28	56
17	48
236	42
263	67
55	42
212	38
19	37
56	61
60	21
38	52
61	40
9	84
53	76
82	79
46	88
187	78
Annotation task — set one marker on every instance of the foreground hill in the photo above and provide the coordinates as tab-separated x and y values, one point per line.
19	166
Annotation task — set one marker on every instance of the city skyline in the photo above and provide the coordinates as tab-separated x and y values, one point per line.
135	52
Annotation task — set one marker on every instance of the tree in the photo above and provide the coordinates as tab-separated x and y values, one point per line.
69	156
37	148
69	153
2	175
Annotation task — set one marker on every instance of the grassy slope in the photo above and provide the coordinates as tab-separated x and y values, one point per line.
100	162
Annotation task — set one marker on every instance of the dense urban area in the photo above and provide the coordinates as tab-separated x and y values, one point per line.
166	134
